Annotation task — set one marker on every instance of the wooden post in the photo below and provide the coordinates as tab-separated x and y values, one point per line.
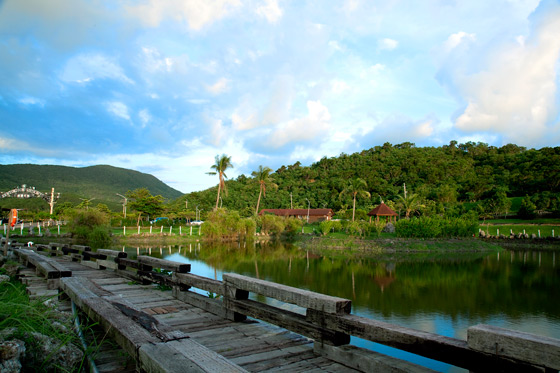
170	229
138	229
124	230
191	230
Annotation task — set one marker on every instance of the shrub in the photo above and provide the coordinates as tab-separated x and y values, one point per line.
90	226
435	227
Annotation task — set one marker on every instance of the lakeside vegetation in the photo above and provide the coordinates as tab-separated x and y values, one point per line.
444	192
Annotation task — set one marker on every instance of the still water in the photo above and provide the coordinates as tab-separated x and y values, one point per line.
438	293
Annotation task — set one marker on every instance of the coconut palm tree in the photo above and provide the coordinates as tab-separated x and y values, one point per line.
410	203
262	176
223	162
356	188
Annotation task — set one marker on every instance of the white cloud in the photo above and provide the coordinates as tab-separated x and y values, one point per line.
28	100
86	67
456	39
516	93
145	117
118	109
315	124
388	44
270	10
7	144
197	13
220	86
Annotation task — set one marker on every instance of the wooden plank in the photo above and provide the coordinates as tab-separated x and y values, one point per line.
183	356
366	360
164	264
526	347
288	294
212	305
112	253
264	356
448	350
64	272
289	320
107	264
199	282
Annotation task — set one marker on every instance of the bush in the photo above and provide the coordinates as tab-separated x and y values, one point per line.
436	227
91	226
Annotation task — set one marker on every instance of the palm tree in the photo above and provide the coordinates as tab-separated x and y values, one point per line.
262	176
410	203
356	188
223	162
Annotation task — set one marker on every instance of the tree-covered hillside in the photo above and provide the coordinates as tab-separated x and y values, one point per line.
440	176
99	182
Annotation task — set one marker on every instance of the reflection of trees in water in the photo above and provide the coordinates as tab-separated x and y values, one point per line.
512	283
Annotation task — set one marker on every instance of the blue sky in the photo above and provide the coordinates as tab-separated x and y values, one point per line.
163	86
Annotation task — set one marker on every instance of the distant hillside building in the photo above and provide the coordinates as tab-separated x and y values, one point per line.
383	211
314	214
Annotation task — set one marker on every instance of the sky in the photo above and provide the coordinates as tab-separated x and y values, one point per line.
163	86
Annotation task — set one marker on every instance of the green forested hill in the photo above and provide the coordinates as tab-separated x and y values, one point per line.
441	176
99	182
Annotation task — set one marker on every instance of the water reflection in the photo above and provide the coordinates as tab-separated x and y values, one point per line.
434	292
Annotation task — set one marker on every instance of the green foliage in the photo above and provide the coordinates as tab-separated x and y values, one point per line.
326	227
527	210
435	227
91	227
142	201
272	224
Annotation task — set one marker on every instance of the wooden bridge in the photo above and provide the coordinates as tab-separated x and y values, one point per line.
219	329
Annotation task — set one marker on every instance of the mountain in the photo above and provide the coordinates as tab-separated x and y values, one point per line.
101	182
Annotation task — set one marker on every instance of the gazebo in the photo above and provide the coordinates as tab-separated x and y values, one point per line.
383	210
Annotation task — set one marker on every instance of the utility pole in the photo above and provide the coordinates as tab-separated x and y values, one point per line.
52	200
124	204
291	201
308	206
186	204
404	187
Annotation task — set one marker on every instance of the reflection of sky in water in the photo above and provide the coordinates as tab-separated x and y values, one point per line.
433	322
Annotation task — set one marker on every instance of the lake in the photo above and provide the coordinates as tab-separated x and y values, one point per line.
433	292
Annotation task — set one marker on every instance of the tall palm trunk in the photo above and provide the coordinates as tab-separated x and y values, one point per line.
259	201
219	189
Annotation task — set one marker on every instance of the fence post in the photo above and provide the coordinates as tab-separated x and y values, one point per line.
138	229
170	229
191	230
124	230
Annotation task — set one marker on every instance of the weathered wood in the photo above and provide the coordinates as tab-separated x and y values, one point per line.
208	304
167	265
288	294
183	356
448	350
125	262
112	253
107	264
81	247
366	360
199	282
534	349
289	320
64	272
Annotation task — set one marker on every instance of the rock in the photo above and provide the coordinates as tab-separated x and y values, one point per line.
482	234
4	278
60	357
533	236
389	228
11	353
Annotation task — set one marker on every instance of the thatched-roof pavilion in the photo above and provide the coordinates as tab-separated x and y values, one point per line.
383	210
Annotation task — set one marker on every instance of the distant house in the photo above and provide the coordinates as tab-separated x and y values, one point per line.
383	211
314	214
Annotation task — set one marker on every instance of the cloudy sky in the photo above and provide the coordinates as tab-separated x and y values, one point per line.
163	86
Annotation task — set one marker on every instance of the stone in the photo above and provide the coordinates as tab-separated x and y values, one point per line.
389	228
11	353
62	358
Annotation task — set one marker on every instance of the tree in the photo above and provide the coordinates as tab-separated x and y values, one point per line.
410	203
527	209
262	177
223	162
356	188
142	201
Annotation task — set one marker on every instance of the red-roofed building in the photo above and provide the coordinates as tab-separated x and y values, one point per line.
384	211
314	214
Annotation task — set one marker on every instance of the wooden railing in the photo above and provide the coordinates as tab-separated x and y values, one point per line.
326	319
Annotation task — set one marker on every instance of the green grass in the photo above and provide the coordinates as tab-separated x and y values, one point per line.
132	230
545	230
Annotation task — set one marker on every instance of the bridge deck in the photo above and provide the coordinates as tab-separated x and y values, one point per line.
253	345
